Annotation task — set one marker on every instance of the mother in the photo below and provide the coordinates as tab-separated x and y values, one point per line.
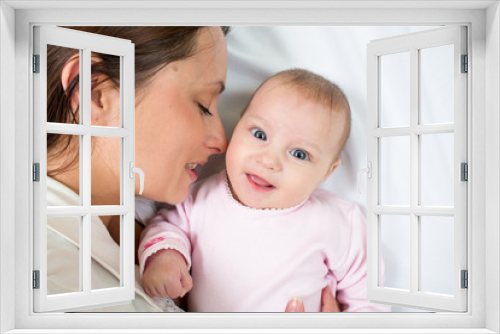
180	74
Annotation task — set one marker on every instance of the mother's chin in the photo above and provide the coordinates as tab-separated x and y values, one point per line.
173	192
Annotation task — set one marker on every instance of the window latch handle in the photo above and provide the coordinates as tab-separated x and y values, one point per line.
134	170
367	170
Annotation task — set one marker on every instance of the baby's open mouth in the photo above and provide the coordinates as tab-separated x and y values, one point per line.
259	182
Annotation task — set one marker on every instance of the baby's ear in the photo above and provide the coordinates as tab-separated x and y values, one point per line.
334	166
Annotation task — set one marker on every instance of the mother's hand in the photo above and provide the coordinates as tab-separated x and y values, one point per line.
328	303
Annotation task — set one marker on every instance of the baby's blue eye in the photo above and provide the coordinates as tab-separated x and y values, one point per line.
299	154
259	134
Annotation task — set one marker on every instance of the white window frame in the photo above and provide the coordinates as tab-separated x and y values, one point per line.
412	44
86	43
483	21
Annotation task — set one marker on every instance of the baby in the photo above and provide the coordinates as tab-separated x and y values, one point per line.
262	232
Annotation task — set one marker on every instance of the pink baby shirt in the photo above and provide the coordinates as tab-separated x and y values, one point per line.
253	260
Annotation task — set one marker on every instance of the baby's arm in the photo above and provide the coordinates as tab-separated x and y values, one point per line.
352	281
164	254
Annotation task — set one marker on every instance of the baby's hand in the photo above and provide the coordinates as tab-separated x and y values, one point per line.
167	275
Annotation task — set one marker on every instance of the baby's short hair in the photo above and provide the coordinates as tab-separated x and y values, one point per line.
316	88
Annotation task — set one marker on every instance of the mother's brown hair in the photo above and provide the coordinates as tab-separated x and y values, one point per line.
155	47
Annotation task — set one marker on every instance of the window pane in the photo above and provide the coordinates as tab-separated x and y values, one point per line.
395	170
68	110
395	90
106	153
395	251
106	82
437	85
63	156
436	254
63	257
437	156
101	279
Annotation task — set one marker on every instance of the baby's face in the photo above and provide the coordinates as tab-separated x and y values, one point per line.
282	149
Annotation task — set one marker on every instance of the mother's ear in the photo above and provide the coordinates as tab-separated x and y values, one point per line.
105	100
68	74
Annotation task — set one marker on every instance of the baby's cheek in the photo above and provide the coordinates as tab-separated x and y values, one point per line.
232	157
302	189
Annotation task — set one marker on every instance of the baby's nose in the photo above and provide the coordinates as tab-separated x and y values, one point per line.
270	161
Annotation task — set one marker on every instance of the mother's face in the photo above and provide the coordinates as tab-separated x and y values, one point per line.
177	125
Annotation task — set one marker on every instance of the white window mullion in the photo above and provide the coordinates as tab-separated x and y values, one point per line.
84	188
100	210
414	172
434	129
85	254
417	129
81	256
85	116
85	191
76	129
419	211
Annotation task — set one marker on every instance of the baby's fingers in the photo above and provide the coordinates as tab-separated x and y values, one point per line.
173	290
187	283
151	291
173	286
146	290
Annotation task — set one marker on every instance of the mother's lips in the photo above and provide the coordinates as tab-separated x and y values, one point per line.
191	170
193	174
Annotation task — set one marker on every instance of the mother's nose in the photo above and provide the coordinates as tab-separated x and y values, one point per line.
216	140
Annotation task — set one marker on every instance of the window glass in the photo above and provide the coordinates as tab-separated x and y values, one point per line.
395	90
106	153
56	111
436	254
99	278
395	170
108	77
63	157
437	167
63	258
437	85
395	251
